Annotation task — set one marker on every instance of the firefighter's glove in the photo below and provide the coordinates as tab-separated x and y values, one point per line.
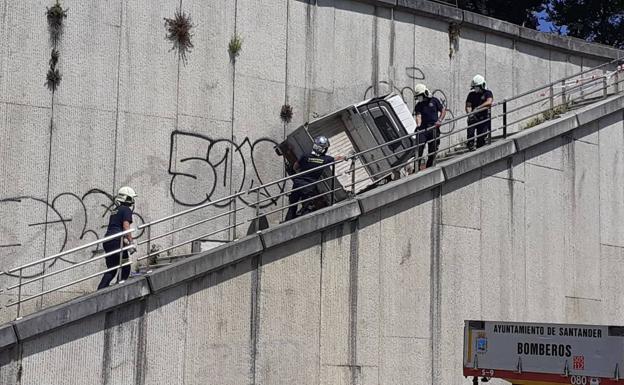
132	246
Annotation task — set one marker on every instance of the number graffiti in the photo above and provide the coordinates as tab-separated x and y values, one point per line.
201	166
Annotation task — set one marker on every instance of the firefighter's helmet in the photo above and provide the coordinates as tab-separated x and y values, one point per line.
421	89
126	196
478	81
320	146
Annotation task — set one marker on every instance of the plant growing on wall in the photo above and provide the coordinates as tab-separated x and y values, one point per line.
286	113
53	78
235	46
453	32
550	114
55	15
179	33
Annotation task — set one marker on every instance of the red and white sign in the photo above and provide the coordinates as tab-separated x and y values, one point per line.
557	353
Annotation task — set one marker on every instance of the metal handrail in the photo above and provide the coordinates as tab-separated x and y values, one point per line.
55	272
71	251
232	199
192	209
563	79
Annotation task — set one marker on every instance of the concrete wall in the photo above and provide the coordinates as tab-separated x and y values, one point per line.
129	112
370	291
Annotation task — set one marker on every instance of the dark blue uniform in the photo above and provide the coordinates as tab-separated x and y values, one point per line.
118	216
306	182
480	122
429	110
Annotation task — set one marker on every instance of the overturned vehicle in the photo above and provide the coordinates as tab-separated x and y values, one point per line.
361	132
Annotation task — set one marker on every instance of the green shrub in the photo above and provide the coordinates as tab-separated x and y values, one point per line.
550	114
235	46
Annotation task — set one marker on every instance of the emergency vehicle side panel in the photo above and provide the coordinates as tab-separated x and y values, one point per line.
550	349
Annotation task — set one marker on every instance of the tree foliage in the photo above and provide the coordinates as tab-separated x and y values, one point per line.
521	12
599	21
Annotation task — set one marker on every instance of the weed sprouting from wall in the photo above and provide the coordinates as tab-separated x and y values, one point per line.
53	79
235	46
550	114
55	15
454	31
179	33
54	58
286	113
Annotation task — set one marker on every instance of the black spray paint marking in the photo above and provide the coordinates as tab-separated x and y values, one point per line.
93	222
195	178
408	93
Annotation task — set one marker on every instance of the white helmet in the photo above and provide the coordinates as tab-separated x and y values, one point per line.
478	81
125	195
421	89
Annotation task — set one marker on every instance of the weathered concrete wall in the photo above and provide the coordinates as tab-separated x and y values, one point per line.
370	291
129	112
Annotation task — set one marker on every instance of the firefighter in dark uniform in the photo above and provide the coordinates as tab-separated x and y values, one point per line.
479	99
304	185
120	220
429	113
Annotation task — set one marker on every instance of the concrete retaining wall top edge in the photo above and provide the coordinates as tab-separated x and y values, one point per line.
452	14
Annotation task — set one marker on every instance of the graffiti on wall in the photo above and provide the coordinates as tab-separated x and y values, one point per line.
201	169
408	94
72	219
205	169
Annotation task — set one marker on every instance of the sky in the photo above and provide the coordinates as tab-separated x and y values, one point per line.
545	25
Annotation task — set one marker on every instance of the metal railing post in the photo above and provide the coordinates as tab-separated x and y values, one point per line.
605	87
19	294
617	79
505	119
552	96
234	218
352	170
258	204
563	92
120	259
333	185
489	133
149	241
